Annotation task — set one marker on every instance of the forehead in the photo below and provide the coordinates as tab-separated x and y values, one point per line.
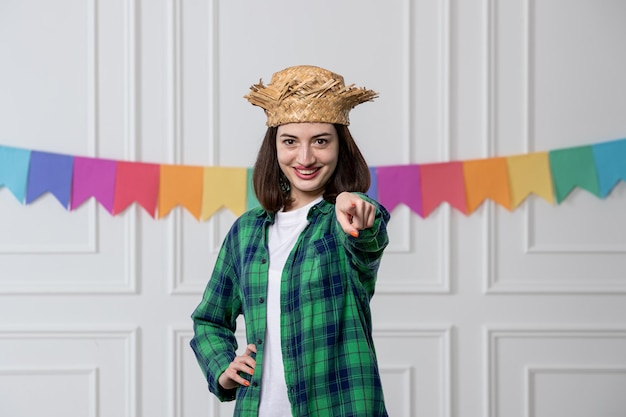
306	129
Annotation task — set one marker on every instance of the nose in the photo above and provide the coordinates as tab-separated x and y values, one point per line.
306	156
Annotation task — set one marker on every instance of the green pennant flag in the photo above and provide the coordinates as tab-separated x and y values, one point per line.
573	167
251	200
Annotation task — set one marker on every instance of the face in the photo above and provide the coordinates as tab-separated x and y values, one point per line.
307	155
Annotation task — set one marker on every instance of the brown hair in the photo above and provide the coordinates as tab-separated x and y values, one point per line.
352	173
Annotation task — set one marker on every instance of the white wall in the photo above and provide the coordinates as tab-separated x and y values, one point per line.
498	314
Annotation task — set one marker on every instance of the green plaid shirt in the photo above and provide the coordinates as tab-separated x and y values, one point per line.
326	332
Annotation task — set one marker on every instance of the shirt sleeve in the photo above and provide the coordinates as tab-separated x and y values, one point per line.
215	322
366	250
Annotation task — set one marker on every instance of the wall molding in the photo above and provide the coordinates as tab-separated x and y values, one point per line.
533	371
542	284
128	335
91	375
443	334
129	284
492	335
176	136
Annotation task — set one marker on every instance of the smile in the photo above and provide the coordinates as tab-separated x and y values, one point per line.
306	172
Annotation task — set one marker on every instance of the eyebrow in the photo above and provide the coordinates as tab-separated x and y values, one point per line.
323	134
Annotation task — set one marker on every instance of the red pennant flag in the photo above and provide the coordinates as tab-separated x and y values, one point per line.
443	182
136	182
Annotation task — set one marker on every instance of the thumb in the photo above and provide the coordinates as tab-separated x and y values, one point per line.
250	349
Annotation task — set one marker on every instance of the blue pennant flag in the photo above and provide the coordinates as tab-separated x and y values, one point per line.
50	172
610	161
14	170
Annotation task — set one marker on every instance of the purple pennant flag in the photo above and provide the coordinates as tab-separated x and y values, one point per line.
50	172
400	184
94	177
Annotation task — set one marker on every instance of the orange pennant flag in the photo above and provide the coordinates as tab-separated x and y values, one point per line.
486	178
224	187
180	185
530	173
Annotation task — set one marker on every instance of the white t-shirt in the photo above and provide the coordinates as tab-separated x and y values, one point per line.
283	235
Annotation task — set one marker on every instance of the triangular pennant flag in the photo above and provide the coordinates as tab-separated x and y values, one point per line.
224	187
610	162
93	177
14	164
530	173
50	172
251	200
441	182
373	190
486	178
573	167
180	185
136	182
400	184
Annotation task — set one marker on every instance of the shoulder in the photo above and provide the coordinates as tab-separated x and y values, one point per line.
253	214
250	220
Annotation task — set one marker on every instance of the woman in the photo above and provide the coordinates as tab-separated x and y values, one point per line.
301	268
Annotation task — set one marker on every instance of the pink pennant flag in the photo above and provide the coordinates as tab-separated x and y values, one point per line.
400	184
443	182
136	182
93	177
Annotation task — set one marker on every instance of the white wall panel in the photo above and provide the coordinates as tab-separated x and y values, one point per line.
519	360
193	87
415	366
535	104
424	108
98	367
575	391
69	52
67	392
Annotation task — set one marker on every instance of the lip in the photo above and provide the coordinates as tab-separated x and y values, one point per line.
306	173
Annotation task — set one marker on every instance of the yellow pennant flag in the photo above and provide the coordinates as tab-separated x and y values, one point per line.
224	187
486	178
180	185
530	173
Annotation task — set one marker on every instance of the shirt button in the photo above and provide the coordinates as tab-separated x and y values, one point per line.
259	341
263	261
261	300
255	384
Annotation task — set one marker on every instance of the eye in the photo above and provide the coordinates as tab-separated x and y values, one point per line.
321	141
288	141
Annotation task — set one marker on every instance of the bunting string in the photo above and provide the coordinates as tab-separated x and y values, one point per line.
204	190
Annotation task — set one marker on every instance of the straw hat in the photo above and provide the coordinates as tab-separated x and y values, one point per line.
307	94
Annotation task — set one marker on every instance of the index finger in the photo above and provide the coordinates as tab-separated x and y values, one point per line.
345	219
